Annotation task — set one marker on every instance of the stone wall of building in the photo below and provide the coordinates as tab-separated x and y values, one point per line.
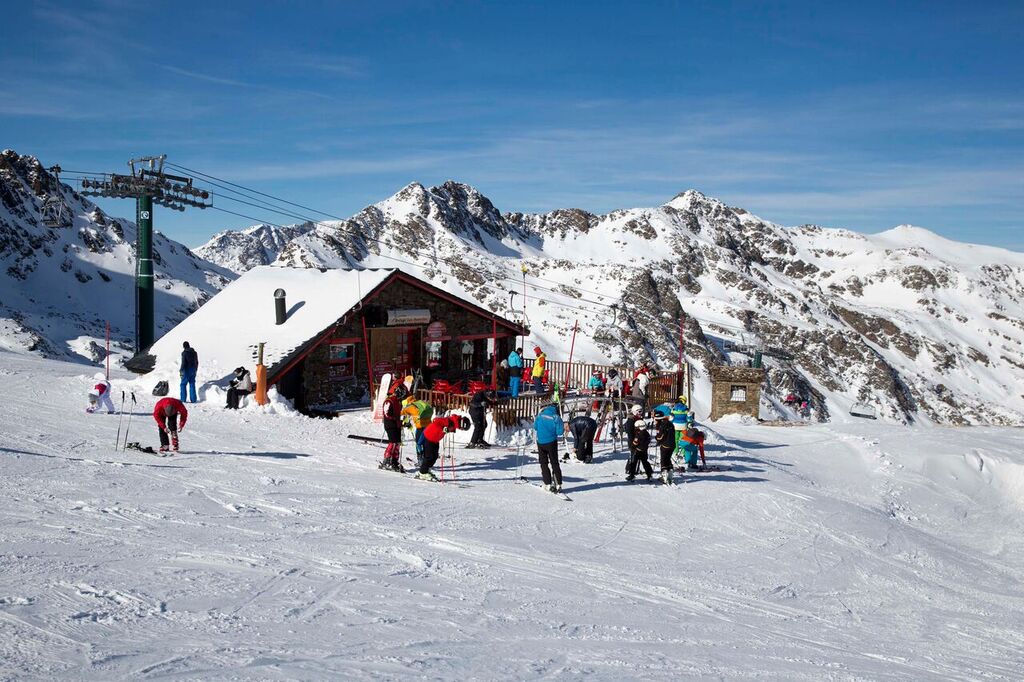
723	379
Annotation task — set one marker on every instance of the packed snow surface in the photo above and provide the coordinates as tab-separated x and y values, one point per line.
272	547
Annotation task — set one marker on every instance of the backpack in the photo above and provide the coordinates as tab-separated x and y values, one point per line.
161	388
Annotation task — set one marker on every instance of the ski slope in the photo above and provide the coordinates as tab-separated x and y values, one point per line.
273	548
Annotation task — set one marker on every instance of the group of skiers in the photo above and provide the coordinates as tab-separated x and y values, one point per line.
674	431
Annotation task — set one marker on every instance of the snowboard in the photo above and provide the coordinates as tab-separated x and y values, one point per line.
382	394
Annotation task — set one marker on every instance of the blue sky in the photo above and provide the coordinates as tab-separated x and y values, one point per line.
863	116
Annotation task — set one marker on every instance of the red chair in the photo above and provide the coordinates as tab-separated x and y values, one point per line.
455	387
442	386
475	386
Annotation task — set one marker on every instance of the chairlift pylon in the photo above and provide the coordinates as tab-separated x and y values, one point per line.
55	212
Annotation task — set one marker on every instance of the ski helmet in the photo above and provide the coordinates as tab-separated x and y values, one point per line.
464	423
661	412
400	392
636	409
642	424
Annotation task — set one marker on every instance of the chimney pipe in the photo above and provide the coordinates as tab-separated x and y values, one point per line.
279	306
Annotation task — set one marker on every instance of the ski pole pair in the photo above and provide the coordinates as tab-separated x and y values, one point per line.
128	426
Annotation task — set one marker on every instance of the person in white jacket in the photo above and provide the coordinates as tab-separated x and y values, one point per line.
99	396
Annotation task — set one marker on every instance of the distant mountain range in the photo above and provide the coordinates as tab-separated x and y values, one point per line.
918	327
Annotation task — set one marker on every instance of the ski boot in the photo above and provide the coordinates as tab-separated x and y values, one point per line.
428	476
666	477
164	448
174	442
483	444
471	446
630	477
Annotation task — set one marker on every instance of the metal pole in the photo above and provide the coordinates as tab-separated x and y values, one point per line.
572	346
108	352
494	354
144	314
369	369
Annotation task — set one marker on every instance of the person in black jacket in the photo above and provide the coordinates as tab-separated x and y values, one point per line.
478	405
638	444
665	436
187	372
629	428
583	429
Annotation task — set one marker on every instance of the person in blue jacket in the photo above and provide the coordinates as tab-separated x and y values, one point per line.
549	427
515	371
187	371
595	384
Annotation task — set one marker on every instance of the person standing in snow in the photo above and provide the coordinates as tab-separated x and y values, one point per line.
187	372
629	428
99	396
478	405
419	413
548	427
241	385
515	371
638	444
665	437
166	413
537	373
583	430
595	385
692	443
431	442
392	414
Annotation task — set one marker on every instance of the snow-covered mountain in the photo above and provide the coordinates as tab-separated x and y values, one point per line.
921	328
61	285
242	250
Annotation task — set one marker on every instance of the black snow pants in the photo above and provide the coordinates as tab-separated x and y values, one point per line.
172	425
636	459
235	397
584	442
549	462
431	450
479	417
666	456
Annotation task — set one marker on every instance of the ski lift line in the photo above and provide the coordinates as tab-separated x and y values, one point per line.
254	191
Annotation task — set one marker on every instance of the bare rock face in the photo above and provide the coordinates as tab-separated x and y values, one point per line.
918	327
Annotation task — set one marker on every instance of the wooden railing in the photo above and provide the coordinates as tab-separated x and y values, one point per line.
512	412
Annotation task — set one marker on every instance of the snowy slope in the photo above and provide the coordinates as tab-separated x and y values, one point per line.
917	326
273	548
61	285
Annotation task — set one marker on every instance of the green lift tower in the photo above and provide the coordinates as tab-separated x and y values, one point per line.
148	184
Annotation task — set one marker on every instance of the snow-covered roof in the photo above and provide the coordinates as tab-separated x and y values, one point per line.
226	329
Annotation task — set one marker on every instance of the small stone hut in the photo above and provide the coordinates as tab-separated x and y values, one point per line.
736	390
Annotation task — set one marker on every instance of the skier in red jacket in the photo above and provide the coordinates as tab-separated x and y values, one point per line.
392	413
166	413
431	441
